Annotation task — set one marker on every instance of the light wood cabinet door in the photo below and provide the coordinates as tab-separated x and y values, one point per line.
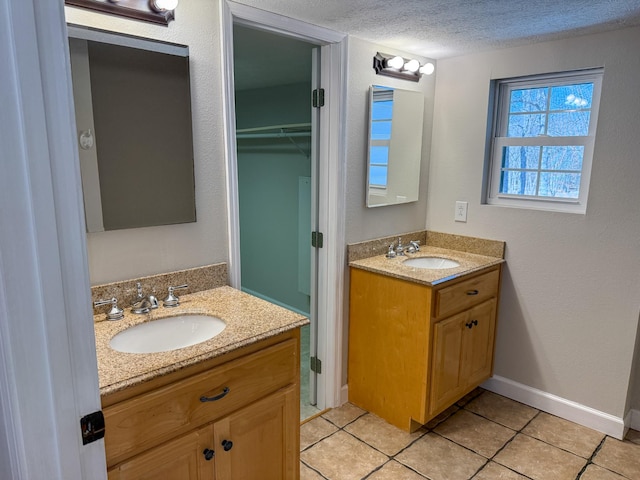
462	354
259	441
184	458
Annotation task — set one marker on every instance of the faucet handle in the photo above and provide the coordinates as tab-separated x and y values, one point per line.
115	313
171	300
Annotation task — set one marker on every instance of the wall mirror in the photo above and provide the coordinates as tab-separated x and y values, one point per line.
133	117
395	146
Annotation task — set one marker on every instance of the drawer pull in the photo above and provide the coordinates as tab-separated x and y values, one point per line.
471	323
208	454
472	292
227	445
217	397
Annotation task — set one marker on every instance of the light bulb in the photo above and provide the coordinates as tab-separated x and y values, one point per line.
163	5
412	66
395	62
427	68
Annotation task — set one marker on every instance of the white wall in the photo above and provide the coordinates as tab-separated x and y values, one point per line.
571	288
124	254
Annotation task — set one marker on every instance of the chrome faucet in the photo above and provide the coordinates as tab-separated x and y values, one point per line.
400	249
143	302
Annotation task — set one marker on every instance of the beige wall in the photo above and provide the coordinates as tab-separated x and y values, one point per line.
571	289
123	254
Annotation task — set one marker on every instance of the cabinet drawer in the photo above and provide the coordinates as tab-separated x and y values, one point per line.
142	422
467	293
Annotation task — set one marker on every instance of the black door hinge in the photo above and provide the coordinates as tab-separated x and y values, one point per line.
318	98
315	365
317	239
92	427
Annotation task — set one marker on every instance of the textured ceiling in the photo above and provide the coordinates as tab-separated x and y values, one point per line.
444	28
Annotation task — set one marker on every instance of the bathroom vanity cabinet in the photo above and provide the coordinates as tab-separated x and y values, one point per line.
231	417
416	349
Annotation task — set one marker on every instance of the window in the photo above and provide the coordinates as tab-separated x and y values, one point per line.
543	133
381	118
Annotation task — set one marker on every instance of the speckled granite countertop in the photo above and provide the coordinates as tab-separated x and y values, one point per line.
469	263
249	320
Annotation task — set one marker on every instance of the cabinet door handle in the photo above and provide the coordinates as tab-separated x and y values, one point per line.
227	445
472	292
208	454
471	323
225	390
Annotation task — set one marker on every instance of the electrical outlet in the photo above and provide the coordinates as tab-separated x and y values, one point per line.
461	212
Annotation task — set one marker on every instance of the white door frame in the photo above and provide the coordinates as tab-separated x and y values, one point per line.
331	189
48	366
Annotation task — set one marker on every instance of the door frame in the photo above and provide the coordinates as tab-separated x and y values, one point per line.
331	184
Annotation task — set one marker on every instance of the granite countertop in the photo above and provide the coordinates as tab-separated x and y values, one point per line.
469	263
249	320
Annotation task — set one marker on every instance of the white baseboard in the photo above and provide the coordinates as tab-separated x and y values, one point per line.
561	407
634	419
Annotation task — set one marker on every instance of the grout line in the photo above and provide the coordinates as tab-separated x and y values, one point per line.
311	468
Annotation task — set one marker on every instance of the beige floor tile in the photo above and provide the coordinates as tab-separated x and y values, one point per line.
379	434
539	461
564	434
493	471
476	392
343	414
315	430
439	459
442	417
619	457
307	474
395	471
476	433
594	472
343	457
502	410
633	436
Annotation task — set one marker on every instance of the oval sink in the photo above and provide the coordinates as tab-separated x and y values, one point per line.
435	263
166	334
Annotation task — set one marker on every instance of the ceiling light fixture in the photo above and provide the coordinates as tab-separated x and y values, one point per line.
163	5
154	11
399	67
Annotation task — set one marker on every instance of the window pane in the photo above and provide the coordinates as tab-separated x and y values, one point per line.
562	158
380	130
379	155
559	185
382	110
569	124
569	97
526	125
528	100
378	176
521	157
516	182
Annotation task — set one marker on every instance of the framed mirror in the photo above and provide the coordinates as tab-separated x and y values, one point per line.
395	146
133	117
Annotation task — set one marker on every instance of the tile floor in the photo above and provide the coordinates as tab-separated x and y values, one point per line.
483	437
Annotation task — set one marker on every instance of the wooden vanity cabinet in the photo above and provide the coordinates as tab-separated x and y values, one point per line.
414	350
248	428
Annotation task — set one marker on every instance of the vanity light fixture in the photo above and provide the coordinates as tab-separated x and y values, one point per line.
154	11
399	67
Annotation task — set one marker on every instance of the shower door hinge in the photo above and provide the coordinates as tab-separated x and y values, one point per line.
316	365
318	98
317	239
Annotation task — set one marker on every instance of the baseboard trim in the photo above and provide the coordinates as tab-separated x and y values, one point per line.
561	407
634	419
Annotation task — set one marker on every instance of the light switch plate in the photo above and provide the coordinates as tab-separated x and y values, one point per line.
461	212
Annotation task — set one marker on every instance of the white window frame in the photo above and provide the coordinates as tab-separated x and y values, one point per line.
502	94
384	95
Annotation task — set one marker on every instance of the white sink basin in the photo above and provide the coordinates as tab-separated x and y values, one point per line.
167	334
435	263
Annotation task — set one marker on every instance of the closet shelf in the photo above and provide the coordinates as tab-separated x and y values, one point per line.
291	130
